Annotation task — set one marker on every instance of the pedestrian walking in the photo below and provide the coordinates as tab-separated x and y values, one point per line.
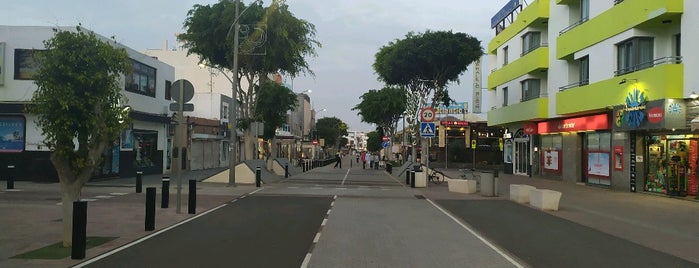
338	160
368	159
363	157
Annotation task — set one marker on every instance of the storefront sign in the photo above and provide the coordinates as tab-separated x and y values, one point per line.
657	114
633	160
455	108
12	134
584	123
530	128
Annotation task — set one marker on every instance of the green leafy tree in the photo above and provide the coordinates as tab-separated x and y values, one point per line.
374	140
426	63
274	101
331	129
76	104
283	48
382	107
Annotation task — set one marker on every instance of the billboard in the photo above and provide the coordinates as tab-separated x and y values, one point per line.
12	133
505	11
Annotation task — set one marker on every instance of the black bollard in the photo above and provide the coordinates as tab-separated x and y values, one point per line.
407	177
165	198
286	170
10	177
150	208
258	176
303	166
192	204
412	179
139	181
77	252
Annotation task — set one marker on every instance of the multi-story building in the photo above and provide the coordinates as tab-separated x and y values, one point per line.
598	92
142	147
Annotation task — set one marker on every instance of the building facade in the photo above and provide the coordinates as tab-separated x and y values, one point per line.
598	92
142	147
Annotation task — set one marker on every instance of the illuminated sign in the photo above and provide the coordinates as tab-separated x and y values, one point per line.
455	108
449	123
656	114
530	128
584	123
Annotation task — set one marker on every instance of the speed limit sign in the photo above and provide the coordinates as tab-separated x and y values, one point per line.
427	114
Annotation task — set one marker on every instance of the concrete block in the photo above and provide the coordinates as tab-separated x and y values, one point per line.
520	193
462	186
544	199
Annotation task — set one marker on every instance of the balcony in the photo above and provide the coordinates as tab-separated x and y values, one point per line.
536	14
524	111
658	82
623	16
535	60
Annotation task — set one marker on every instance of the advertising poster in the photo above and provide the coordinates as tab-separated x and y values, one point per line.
12	133
692	183
618	158
127	139
551	160
598	164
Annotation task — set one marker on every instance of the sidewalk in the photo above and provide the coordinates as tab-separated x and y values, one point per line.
659	222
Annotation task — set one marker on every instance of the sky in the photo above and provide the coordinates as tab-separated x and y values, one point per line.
350	32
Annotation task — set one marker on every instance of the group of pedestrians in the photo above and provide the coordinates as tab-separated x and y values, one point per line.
369	158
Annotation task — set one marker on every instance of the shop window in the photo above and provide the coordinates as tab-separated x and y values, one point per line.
145	148
552	153
669	164
142	80
598	153
25	64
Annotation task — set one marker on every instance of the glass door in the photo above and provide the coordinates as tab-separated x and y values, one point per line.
522	156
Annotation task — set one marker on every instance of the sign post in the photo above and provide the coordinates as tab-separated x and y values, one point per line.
182	91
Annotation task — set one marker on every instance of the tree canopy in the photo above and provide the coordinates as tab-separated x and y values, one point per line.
382	107
274	101
279	43
331	129
77	96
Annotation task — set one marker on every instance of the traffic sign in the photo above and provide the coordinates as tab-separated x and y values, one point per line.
426	129
427	114
187	89
187	107
385	144
384	138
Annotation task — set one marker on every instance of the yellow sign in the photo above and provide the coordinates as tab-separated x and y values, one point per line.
500	142
442	136
473	144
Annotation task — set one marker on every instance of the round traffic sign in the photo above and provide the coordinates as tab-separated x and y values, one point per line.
427	114
384	138
187	89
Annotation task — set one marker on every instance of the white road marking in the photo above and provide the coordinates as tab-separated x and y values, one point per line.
315	239
345	178
14	190
485	241
324	222
88	199
118	193
293	187
104	196
306	260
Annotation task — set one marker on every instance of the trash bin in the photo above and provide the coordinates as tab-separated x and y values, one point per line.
489	184
417	168
389	168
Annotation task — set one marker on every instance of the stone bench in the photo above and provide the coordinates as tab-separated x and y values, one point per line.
462	186
520	193
544	199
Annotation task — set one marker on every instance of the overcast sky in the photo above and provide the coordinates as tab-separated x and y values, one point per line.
350	31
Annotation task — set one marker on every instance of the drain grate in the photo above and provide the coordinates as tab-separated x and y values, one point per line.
419	196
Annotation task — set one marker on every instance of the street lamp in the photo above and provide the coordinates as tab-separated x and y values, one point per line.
235	26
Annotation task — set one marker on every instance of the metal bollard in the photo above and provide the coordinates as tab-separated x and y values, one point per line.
139	181
10	177
407	177
286	170
165	198
412	179
150	208
79	237
192	204
258	176
303	166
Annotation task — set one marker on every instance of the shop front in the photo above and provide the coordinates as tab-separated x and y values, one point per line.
667	156
576	149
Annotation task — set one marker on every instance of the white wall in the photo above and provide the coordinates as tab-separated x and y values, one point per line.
690	42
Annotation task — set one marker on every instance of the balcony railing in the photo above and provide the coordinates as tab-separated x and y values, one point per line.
525	52
646	65
583	20
576	84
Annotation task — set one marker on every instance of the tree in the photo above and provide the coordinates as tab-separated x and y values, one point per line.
382	107
76	104
374	140
283	49
426	62
274	101
331	129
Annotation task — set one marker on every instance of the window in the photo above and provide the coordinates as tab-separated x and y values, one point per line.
504	96
530	42
678	45
584	10
25	64
634	54
504	55
584	64
530	89
168	87
224	110
142	81
145	148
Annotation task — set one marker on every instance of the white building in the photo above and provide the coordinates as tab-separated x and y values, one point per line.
143	147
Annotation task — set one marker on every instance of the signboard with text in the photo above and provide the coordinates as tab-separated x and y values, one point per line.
12	134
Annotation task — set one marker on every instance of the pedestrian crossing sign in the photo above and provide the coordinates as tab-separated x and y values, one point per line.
426	129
